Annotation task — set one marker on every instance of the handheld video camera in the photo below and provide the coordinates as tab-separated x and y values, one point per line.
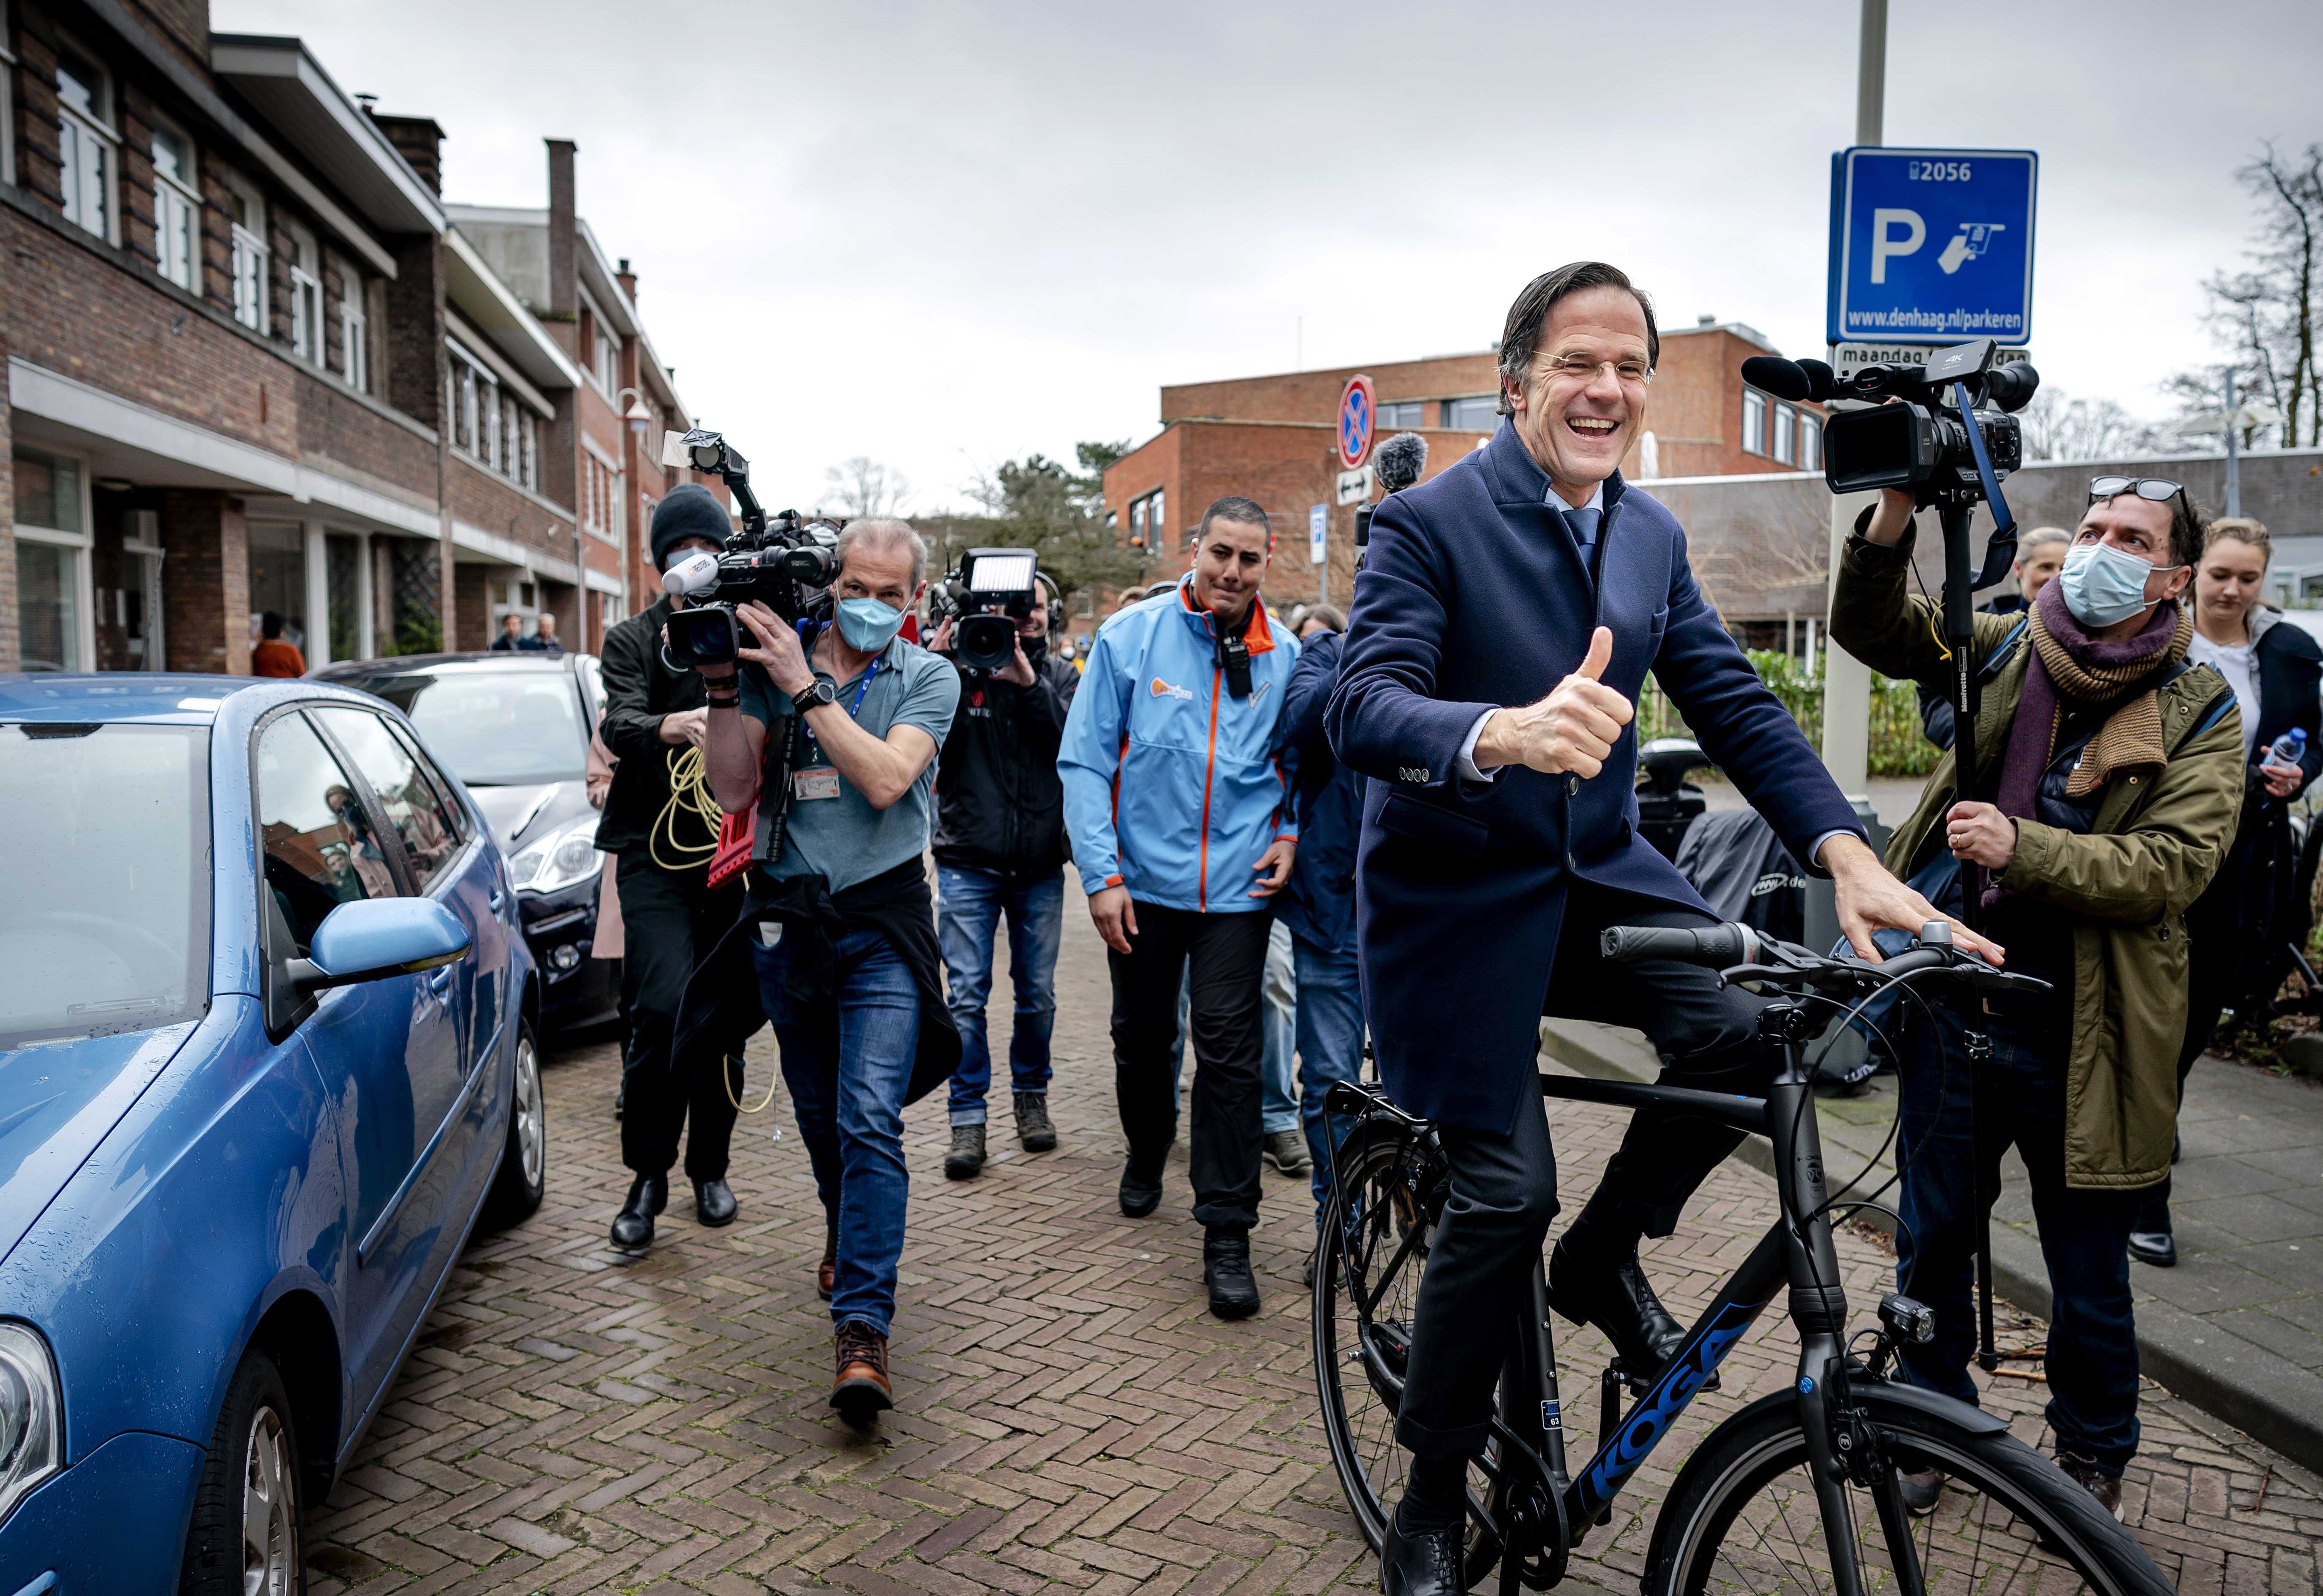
782	562
992	590
1955	422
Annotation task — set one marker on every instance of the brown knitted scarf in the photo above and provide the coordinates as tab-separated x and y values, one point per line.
2091	676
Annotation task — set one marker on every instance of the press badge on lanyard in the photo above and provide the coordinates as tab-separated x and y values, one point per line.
821	781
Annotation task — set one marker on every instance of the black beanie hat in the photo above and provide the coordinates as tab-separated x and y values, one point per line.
691	511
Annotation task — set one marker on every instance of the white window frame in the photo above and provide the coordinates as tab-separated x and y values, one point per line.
84	576
308	339
81	134
354	332
1754	422
1787	433
249	255
178	211
528	436
1810	441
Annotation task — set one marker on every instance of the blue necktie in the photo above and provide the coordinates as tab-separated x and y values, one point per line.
1583	523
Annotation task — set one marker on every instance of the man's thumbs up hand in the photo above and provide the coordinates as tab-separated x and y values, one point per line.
1574	729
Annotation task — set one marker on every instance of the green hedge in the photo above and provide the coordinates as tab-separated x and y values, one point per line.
1897	748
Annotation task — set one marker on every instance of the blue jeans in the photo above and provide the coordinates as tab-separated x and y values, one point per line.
1278	1110
2020	1098
968	907
1330	1047
847	1069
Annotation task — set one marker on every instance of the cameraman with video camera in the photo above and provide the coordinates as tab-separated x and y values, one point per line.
656	722
839	923
2117	771
1000	845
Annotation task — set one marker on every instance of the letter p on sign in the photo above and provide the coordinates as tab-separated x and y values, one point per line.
1886	242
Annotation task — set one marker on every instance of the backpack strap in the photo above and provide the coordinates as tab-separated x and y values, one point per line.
2004	648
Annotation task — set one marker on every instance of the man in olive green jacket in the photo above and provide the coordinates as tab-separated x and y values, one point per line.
2110	777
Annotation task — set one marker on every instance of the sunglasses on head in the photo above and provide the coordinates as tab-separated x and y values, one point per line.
2161	489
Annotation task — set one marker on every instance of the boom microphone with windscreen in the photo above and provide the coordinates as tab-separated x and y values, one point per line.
1821	380
1785	379
1398	462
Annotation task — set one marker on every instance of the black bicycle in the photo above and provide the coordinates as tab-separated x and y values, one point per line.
1797	1491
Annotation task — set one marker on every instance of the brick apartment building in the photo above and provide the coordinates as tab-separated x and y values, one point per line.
1272	439
254	364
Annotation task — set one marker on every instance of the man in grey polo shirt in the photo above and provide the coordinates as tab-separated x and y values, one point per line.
845	948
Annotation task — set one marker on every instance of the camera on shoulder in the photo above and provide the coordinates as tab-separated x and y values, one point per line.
783	562
992	590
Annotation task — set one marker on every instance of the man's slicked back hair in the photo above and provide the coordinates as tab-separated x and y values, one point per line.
1520	337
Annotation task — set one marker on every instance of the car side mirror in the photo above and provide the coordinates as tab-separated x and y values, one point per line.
375	937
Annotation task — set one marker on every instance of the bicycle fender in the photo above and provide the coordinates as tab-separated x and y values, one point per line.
1976	1421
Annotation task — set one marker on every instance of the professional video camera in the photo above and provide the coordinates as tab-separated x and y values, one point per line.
782	562
1949	438
992	590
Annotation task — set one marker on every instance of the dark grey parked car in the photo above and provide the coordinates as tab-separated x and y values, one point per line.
515	728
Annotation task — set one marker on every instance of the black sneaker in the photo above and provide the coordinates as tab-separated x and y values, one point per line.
1034	1130
1920	1489
1139	1195
1225	1271
1286	1151
2156	1247
965	1162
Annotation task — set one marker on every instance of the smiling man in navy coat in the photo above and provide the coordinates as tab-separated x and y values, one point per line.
1503	622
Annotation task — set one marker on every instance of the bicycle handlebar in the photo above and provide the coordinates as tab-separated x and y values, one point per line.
1742	956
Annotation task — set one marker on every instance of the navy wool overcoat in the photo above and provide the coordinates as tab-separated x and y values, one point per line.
1475	595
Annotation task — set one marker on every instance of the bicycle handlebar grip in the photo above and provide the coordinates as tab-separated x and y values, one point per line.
1717	946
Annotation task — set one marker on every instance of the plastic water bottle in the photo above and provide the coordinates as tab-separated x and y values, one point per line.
2287	749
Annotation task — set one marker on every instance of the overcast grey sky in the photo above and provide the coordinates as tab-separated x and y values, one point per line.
945	235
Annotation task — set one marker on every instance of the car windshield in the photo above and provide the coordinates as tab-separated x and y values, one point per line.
104	880
492	728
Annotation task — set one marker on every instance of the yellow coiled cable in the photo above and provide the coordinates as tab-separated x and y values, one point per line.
689	794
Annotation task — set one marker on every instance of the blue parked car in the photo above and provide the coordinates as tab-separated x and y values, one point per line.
267	1056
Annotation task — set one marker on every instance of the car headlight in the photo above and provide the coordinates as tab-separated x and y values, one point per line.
565	858
32	1415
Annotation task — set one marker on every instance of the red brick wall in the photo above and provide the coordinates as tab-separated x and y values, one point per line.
1314	396
206	594
473	606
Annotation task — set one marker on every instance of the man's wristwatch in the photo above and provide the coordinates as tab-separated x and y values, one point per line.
822	690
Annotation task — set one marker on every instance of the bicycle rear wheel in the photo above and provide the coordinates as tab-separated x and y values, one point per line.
1743	1515
1386	1205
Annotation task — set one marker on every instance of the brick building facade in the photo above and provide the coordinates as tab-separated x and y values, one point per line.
1272	439
251	364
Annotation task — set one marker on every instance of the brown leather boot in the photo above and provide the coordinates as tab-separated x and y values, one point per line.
862	1387
826	1273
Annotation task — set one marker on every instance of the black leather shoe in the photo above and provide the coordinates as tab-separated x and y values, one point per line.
1612	1293
713	1203
1139	1195
1034	1129
1225	1271
2156	1247
633	1226
965	1162
1427	1563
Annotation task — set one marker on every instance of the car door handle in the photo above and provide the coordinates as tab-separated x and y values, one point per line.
440	982
496	899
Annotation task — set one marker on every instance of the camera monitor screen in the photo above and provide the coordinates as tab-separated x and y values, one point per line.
1001	574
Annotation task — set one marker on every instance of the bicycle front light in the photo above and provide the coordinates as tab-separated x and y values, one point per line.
565	858
1908	1323
32	1415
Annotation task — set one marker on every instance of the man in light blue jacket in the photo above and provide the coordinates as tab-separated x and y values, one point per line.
1181	818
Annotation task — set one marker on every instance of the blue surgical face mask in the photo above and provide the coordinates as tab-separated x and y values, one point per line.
869	625
2104	585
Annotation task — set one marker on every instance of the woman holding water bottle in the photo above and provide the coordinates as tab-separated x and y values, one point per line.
2275	669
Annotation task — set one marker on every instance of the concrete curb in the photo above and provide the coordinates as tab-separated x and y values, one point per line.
2260	1393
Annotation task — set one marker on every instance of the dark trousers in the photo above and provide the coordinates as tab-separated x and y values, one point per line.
1222	959
1504	1188
672	920
2019	1100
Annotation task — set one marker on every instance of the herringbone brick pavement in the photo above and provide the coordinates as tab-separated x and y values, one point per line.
1069	1416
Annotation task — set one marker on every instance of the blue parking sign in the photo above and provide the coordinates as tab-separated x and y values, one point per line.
1931	246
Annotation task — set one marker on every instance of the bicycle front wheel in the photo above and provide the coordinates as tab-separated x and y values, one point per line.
1743	1515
